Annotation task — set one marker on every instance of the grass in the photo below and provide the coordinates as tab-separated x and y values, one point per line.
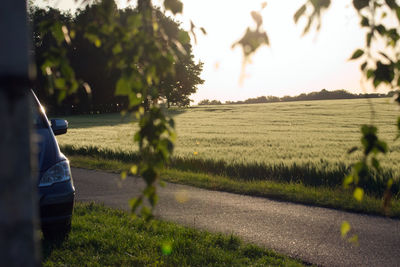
297	142
336	198
102	236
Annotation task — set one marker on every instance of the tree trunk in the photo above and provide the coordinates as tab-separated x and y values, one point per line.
18	196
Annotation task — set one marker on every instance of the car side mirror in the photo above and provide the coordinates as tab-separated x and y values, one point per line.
59	126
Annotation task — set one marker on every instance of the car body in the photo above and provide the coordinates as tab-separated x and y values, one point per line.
55	185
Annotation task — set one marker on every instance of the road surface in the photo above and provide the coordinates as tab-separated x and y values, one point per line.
311	234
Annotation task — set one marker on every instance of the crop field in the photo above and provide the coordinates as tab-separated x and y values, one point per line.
294	141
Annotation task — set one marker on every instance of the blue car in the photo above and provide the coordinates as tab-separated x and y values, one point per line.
55	185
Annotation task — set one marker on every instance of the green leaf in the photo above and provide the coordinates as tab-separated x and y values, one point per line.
60	83
93	38
348	180
124	175
123	86
398	13
299	13
381	29
363	66
175	6
358	194
354	239
392	4
360	4
358	53
369	38
135	203
370	73
345	228
375	163
57	32
183	37
166	248
134	169
117	49
364	21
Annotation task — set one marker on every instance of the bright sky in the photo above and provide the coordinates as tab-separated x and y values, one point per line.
290	66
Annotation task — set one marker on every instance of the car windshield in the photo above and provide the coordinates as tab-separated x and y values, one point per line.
39	120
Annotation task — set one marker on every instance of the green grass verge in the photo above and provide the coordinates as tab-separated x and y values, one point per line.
293	192
103	236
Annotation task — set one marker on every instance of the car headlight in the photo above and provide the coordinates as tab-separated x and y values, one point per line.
60	172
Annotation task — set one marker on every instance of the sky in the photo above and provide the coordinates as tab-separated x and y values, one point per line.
292	65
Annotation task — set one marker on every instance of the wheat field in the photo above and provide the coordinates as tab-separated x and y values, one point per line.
315	134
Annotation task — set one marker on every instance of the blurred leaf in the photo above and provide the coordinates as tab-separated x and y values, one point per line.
363	66
358	194
57	32
257	18
351	150
345	228
381	29
93	38
203	30
375	163
358	53
166	248
348	180
134	169
299	13
398	13
369	39
360	4
392	4
72	33
135	203
124	175
60	83
117	49
354	240
183	37
123	86
263	5
364	21
175	6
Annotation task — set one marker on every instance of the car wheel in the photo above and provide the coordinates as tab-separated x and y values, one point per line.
57	232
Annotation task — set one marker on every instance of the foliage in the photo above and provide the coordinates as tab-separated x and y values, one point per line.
91	63
381	66
102	236
144	56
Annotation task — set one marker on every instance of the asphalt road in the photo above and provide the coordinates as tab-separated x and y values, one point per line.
311	234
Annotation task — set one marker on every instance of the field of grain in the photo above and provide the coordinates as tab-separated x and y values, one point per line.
311	136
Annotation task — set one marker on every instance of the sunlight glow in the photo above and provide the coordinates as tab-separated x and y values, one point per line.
291	65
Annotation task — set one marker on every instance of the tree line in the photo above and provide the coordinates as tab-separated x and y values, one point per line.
90	60
321	95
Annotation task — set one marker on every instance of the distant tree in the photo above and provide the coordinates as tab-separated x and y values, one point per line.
215	102
204	102
208	102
